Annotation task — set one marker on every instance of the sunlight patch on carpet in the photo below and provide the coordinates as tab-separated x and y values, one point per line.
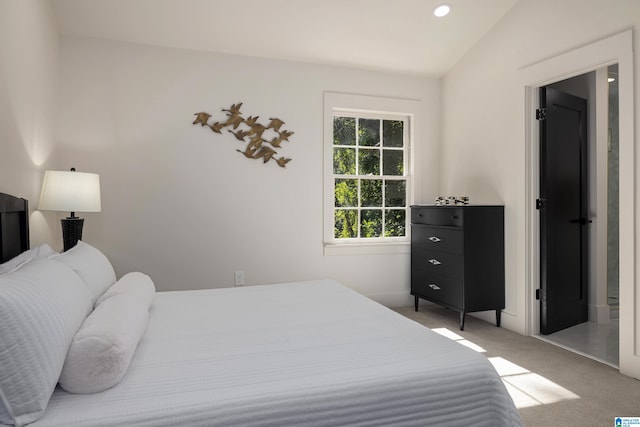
457	338
528	388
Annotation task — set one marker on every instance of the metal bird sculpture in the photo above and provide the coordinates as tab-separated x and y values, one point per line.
217	127
285	134
234	110
282	136
201	118
255	142
234	120
251	120
252	130
275	124
266	153
240	134
258	129
276	141
248	152
282	161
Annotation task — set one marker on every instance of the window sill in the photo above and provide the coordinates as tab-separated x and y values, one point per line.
331	249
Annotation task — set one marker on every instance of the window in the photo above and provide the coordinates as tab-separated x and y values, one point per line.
367	176
370	186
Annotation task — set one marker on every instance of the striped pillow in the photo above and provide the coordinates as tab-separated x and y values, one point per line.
42	305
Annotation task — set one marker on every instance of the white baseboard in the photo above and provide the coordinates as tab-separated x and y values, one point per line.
599	313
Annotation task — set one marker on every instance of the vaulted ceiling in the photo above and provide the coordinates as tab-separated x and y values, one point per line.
400	36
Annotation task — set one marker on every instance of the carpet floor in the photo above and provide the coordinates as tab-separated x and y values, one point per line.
550	386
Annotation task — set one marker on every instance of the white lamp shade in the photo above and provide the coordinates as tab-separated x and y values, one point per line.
70	191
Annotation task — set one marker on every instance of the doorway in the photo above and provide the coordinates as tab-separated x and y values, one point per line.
588	253
598	55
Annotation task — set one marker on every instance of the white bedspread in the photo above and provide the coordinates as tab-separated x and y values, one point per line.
311	353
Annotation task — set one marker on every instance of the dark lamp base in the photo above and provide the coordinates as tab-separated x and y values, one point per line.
71	231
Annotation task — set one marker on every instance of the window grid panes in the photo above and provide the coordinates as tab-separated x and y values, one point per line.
370	183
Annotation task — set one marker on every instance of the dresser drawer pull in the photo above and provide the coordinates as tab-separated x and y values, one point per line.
434	287
435	262
435	239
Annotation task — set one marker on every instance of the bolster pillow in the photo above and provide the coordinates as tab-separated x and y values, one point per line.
102	349
132	283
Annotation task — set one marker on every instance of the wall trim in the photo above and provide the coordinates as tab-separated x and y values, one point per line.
614	49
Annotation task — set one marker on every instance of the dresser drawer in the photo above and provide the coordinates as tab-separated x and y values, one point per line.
437	262
437	215
437	288
437	238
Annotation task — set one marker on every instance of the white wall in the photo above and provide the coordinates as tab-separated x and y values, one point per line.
179	203
483	127
28	85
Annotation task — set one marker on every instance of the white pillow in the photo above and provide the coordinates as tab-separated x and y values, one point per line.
43	251
42	305
132	283
91	265
102	349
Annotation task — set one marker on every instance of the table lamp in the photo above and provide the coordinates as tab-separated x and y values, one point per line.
73	192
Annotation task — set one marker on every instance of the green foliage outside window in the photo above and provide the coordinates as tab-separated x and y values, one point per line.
370	189
369	132
344	131
371	193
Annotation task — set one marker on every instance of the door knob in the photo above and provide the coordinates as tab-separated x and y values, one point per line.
581	221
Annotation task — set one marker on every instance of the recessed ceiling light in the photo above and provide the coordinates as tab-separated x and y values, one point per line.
442	10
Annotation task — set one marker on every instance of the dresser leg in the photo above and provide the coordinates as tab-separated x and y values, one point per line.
415	302
498	313
462	313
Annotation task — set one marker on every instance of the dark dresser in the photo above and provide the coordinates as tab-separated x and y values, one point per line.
457	257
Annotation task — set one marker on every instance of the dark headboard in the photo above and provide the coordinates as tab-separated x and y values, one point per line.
14	226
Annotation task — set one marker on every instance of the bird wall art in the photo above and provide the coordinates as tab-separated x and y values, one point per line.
261	141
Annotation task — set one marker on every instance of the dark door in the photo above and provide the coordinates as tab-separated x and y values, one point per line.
563	213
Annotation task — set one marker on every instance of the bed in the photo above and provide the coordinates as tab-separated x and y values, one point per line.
310	353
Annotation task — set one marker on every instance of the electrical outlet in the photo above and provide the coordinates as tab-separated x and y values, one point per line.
238	278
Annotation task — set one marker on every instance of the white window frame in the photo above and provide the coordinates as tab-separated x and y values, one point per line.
368	107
